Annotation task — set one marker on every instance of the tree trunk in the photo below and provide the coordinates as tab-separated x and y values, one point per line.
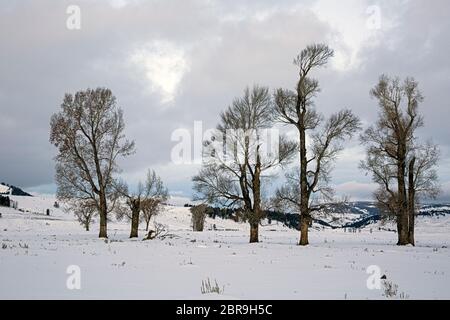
134	222
254	232
402	204
146	224
304	227
103	217
304	199
399	228
403	225
411	202
257	210
87	226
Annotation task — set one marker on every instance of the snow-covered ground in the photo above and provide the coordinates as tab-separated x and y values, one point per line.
36	251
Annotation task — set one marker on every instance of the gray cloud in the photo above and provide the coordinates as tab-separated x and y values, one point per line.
218	48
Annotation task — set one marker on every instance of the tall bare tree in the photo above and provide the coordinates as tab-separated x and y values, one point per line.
401	166
147	199
235	164
88	132
297	108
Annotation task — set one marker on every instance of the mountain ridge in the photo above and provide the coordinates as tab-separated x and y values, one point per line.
7	189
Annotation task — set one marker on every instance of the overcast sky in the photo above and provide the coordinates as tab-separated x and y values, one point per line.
171	63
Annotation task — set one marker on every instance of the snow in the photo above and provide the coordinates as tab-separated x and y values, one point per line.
36	250
434	209
4	189
338	219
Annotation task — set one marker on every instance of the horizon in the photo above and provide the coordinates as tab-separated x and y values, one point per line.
181	201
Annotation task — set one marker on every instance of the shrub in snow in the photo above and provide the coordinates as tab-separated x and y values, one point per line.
160	231
208	287
198	217
390	290
23	246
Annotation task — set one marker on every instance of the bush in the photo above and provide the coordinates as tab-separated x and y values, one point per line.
390	291
198	216
208	287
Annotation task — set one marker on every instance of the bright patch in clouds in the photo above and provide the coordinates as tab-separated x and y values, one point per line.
164	64
356	24
119	4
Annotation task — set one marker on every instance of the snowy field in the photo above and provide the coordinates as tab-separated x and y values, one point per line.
36	251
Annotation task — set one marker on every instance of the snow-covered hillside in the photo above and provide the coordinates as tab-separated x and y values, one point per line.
364	214
36	251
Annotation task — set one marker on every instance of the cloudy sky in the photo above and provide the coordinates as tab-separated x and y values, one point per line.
171	63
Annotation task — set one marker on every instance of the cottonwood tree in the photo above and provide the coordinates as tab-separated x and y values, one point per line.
403	168
88	132
297	108
236	158
84	211
147	199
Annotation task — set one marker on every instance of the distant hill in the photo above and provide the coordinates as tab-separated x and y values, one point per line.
353	215
5	189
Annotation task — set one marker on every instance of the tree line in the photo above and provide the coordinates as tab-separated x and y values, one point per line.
5	201
88	132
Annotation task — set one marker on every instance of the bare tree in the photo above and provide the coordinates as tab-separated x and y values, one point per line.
155	198
84	211
130	208
88	132
150	208
297	108
198	216
147	199
235	161
401	166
